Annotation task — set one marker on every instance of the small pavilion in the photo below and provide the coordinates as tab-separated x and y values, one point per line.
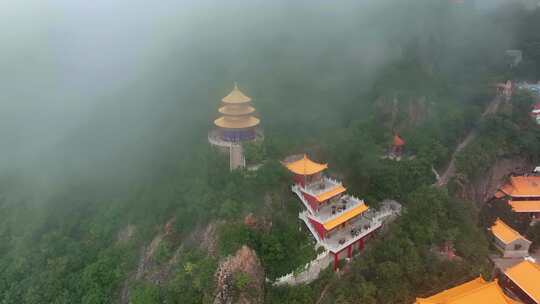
509	241
397	145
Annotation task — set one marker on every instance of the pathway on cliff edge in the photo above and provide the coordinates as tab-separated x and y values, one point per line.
451	169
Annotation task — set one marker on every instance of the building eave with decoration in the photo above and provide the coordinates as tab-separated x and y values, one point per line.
523	281
339	222
522	193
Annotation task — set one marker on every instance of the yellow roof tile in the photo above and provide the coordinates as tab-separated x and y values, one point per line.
345	216
236	110
525	206
331	193
500	194
526	275
520	186
305	166
236	123
504	232
236	96
473	292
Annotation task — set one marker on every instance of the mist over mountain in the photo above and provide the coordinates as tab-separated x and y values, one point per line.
105	108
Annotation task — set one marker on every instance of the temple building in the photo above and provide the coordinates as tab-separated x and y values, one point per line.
235	125
523	195
397	147
477	291
339	222
508	241
535	113
523	281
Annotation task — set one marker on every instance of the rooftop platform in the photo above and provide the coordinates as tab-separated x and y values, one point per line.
356	229
324	189
335	208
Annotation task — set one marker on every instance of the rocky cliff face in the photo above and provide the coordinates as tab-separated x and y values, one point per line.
482	189
240	279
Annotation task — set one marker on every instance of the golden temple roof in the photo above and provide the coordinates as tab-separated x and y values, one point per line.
522	186
236	96
231	122
504	232
398	141
345	216
305	166
525	206
236	110
330	193
473	292
526	275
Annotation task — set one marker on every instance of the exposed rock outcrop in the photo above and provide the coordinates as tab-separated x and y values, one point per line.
244	264
482	189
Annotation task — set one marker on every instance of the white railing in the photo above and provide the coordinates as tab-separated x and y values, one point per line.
303	216
352	203
374	225
333	184
296	189
308	273
214	139
376	221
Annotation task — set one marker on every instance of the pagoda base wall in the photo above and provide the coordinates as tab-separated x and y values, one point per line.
238	135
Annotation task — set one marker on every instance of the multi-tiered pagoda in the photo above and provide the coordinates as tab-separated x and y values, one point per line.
339	222
236	124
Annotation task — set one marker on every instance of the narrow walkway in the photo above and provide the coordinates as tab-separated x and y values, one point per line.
237	159
451	169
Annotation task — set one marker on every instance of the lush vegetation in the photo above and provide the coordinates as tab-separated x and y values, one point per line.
83	237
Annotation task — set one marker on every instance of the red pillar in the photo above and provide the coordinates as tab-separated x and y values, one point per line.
361	244
349	251
336	261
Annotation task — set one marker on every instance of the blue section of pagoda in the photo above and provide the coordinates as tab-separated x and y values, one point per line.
238	135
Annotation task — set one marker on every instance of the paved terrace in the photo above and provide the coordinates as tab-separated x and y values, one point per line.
361	226
336	207
319	187
341	238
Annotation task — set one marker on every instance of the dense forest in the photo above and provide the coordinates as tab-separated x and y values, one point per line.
125	201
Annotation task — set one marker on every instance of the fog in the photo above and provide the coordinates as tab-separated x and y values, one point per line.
111	90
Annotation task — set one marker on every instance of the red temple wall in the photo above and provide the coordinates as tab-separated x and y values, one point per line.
313	202
298	179
318	227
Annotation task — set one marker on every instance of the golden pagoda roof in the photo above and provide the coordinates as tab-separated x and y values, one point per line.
526	275
504	232
240	123
473	292
525	206
232	110
236	96
398	141
330	193
305	166
522	186
345	216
